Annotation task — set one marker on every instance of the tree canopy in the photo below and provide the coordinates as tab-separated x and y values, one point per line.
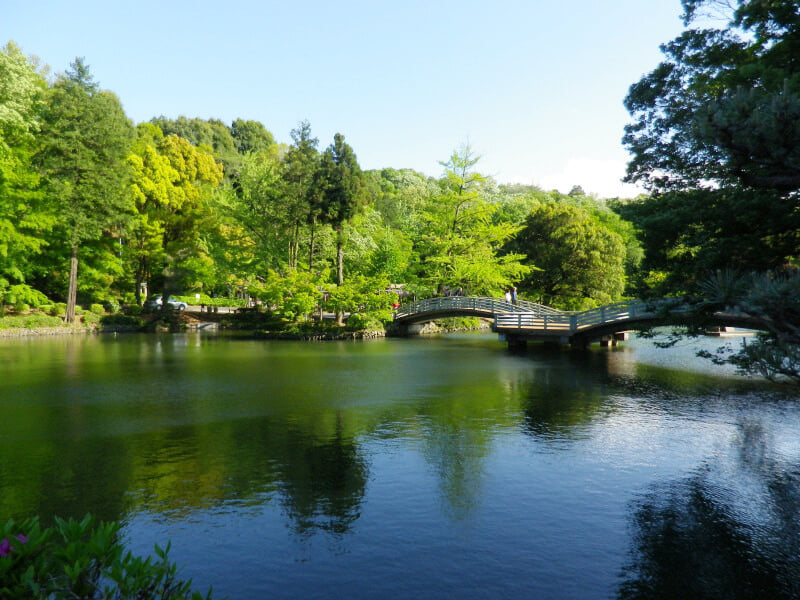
723	106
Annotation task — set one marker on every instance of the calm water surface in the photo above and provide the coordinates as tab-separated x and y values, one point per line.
424	468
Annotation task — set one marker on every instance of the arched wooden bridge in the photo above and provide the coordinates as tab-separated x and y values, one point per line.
524	321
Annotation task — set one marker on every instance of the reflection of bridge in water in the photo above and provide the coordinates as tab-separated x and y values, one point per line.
524	321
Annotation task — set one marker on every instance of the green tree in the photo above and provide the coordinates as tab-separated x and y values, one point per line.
342	192
172	185
723	106
251	136
257	207
301	163
85	140
460	243
24	220
210	135
579	262
716	136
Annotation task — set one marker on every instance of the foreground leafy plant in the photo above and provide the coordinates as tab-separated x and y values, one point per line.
83	559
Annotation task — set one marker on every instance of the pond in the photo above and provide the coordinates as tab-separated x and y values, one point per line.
442	467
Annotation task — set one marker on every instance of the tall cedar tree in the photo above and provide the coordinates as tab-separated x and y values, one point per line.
301	162
86	138
343	192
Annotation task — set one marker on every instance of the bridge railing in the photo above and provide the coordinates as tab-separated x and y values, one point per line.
570	322
612	312
489	306
562	323
539	309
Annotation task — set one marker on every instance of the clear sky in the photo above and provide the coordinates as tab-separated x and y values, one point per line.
534	86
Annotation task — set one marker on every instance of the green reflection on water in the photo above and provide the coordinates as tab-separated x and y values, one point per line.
175	423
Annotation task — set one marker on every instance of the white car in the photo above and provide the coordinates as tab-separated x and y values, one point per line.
157	301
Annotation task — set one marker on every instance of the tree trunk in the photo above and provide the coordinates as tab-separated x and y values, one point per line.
294	247
141	274
311	250
339	257
340	270
72	292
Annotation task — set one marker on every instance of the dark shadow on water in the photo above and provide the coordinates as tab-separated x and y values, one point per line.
713	536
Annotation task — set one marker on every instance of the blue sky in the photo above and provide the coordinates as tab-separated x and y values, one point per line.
534	86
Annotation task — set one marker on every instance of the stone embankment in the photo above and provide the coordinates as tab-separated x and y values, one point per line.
15	332
323	336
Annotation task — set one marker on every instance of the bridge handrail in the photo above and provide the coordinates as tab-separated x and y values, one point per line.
575	321
490	306
534	307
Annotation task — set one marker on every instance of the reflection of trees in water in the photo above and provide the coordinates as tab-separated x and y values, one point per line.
322	483
731	531
457	455
567	396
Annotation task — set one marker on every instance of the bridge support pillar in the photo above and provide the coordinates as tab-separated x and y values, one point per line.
609	340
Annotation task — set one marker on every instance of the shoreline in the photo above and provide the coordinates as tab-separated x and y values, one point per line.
431	328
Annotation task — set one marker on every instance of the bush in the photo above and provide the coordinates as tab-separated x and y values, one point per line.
122	320
91	318
82	559
368	321
32	321
21	307
132	309
59	308
97	309
23	294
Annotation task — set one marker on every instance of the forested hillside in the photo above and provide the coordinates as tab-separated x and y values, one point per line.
97	209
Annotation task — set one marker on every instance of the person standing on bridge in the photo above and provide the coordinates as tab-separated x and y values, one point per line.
514	295
508	296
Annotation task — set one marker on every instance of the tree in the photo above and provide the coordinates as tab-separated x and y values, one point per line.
460	243
723	106
172	184
579	262
257	206
719	121
210	135
716	136
251	136
301	163
24	219
85	140
342	192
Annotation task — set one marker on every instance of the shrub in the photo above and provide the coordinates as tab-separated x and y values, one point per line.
32	321
21	293
82	559
132	309
21	307
368	321
91	318
125	320
97	309
59	308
